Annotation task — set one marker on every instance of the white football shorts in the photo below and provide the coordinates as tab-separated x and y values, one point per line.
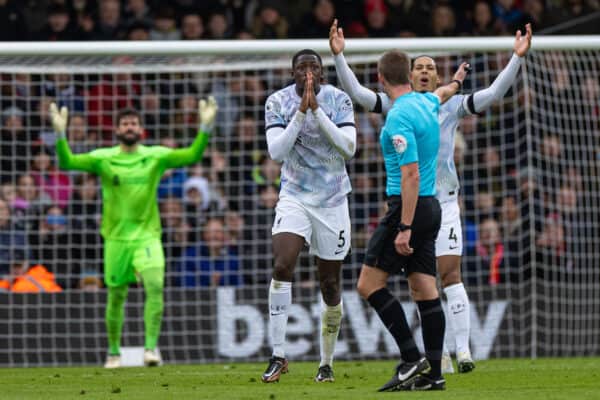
449	241
326	230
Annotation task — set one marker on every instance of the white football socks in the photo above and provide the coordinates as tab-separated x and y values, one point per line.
331	318
280	300
459	316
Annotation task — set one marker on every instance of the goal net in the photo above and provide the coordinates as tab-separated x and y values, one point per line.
530	201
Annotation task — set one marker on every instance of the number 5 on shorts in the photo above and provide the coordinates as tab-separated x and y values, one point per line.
341	239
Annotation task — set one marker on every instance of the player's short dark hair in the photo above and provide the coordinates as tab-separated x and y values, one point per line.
412	61
394	66
128	112
306	52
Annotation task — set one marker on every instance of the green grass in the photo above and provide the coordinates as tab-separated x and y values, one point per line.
514	379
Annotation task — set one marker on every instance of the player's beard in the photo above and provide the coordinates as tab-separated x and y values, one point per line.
129	138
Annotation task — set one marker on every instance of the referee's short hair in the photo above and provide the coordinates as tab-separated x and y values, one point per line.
394	67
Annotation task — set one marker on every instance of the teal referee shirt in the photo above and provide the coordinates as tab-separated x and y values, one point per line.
411	134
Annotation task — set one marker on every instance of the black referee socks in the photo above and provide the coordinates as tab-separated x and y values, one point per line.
392	315
433	326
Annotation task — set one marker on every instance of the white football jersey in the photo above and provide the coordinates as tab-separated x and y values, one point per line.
314	172
446	185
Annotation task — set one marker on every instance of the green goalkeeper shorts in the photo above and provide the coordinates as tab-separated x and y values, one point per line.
123	259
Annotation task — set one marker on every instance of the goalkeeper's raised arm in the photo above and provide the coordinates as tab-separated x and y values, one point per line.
207	112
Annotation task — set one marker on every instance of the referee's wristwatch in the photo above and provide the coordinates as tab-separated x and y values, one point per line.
403	227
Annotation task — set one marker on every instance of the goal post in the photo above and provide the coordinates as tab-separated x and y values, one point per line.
530	197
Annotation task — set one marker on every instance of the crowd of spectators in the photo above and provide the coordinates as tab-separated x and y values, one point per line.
56	20
217	215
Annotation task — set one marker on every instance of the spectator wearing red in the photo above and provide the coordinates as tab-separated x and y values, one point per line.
376	14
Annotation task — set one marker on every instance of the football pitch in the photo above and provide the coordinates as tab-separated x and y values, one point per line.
564	378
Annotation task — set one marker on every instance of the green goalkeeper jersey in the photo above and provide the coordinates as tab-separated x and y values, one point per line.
130	182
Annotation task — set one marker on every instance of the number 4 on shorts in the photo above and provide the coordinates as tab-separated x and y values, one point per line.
453	236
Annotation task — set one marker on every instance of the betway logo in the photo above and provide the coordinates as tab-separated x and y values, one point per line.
366	328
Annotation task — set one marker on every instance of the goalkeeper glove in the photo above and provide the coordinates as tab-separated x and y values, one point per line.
59	119
207	111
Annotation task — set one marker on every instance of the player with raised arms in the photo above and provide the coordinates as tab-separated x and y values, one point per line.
130	173
310	128
449	244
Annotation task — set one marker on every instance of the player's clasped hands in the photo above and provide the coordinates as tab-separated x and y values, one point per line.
309	100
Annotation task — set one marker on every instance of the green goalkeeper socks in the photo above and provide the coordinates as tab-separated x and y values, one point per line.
115	314
153	280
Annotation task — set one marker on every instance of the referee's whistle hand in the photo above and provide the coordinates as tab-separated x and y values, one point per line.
401	243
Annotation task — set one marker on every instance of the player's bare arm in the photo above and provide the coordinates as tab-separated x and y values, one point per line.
449	90
410	196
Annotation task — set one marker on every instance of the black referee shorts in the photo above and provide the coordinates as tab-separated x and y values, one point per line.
381	252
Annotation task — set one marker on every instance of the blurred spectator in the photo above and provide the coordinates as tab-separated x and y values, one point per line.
12	23
90	281
63	90
137	10
267	172
488	264
51	180
192	27
80	139
85	214
138	30
197	198
376	15
30	199
405	16
112	93
109	25
552	238
316	23
485	205
50	245
510	217
507	13
442	21
211	262
23	279
175	229
58	26
165	25
15	144
534	12
269	23
12	236
484	23
218	26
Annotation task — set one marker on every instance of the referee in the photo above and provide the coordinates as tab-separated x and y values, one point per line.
405	237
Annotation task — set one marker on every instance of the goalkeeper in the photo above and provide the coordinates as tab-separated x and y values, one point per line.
130	174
